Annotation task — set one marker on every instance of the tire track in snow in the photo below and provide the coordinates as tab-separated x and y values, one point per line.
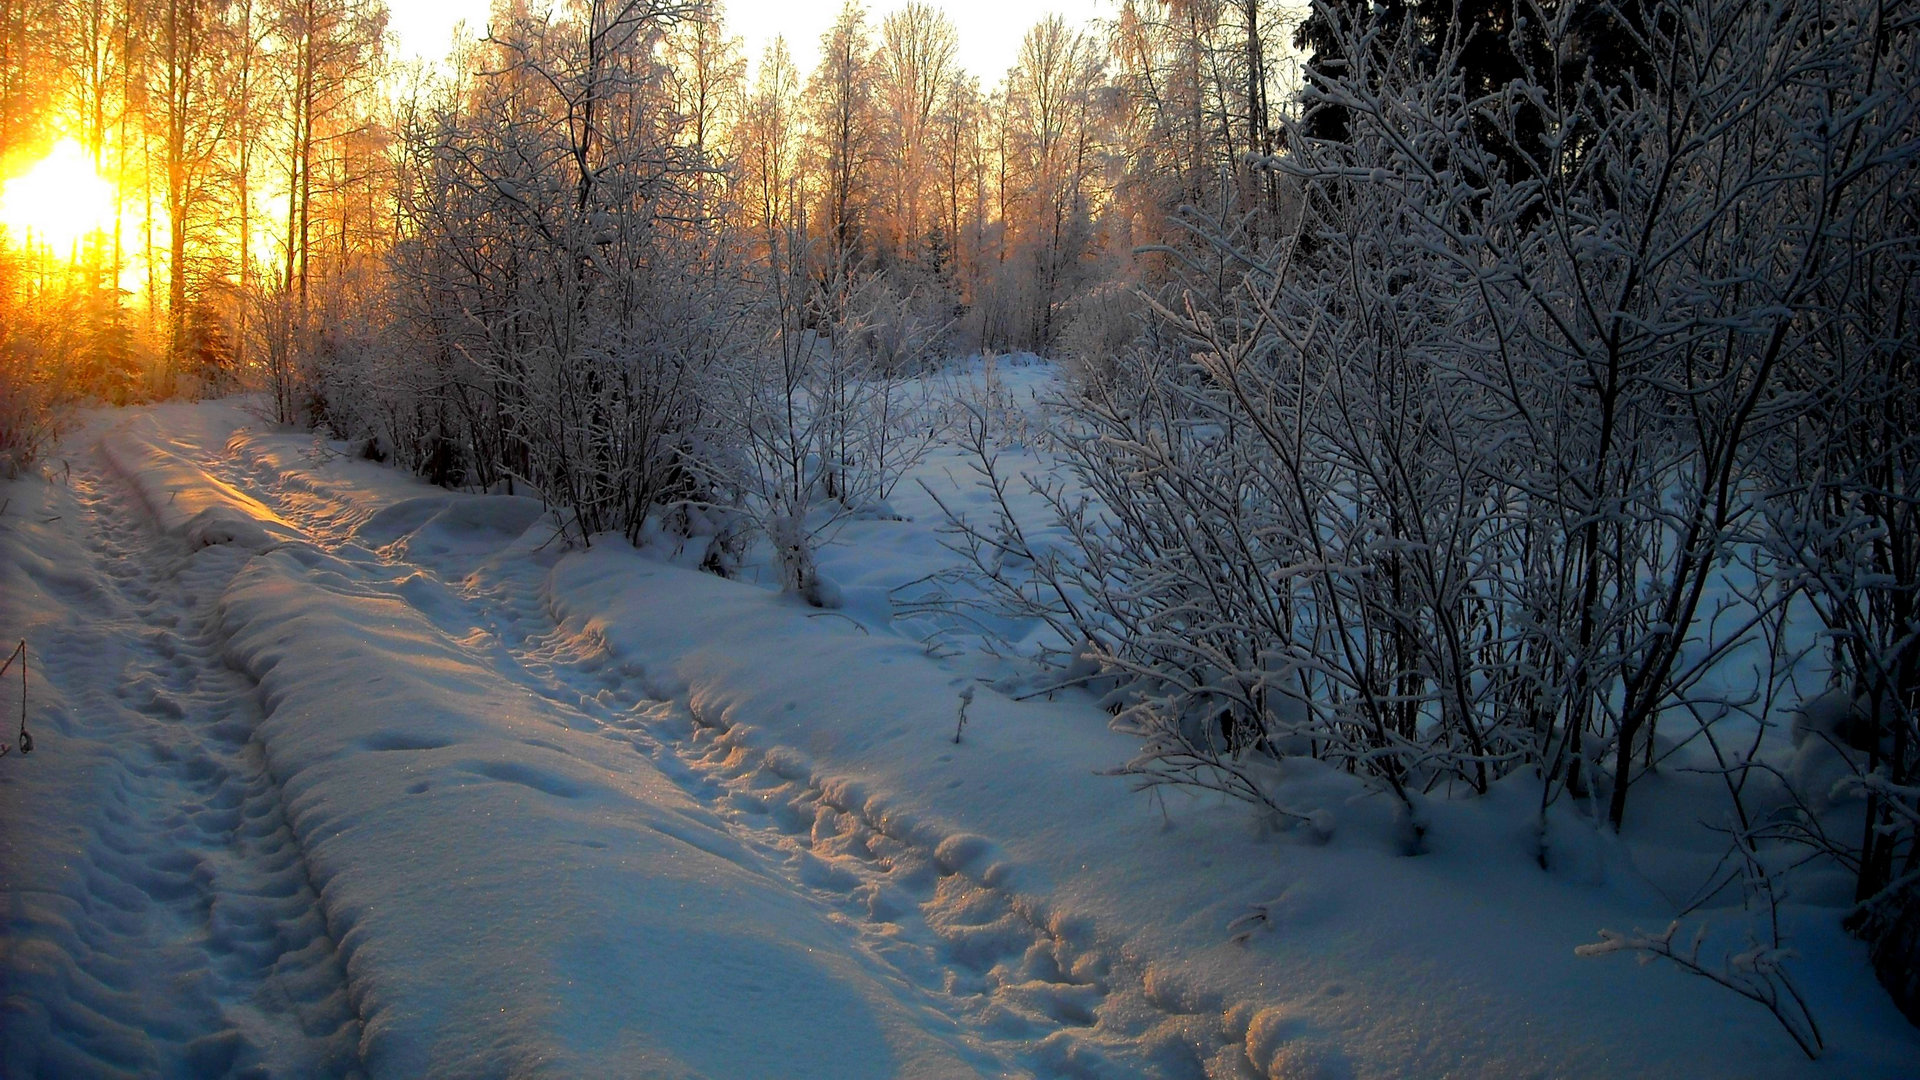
186	939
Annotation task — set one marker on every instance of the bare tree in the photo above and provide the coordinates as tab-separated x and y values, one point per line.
327	53
915	67
841	121
1052	144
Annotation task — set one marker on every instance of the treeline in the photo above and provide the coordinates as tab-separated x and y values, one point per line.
268	153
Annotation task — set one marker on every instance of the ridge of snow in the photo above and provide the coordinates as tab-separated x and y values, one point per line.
183	499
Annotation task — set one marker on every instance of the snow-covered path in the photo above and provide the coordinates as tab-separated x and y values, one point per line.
174	928
1014	992
171	928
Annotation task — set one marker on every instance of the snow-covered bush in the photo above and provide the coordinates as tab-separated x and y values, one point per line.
278	332
1843	518
813	428
1523	444
897	331
1100	325
28	390
63	340
27	412
1310	546
570	291
1486	466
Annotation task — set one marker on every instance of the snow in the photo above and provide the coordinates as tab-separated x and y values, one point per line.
511	951
182	499
342	774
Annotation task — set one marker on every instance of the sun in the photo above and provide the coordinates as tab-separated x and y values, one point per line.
59	202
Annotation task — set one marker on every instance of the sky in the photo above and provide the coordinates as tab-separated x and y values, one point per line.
990	30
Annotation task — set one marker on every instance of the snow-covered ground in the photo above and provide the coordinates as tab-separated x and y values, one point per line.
339	774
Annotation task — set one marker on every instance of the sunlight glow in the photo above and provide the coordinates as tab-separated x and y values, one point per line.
58	203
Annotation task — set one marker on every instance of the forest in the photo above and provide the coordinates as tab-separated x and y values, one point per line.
1457	391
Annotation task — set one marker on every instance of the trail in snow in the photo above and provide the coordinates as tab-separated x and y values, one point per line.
1012	986
177	934
1022	994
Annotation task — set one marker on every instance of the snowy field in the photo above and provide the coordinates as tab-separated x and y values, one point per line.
340	774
